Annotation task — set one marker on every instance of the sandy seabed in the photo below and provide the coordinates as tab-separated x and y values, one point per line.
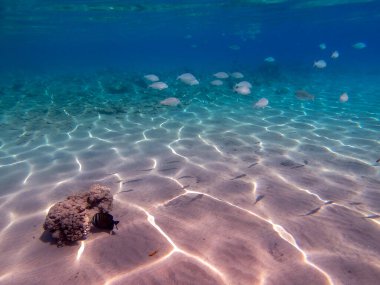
214	191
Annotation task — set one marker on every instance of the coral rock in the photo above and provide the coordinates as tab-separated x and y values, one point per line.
70	220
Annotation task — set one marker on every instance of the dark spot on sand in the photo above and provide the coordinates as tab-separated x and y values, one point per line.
153	253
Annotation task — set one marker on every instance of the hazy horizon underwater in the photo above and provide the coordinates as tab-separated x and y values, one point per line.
190	142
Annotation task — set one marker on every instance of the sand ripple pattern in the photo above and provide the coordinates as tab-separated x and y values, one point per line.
214	191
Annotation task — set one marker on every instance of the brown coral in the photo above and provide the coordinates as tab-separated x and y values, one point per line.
70	220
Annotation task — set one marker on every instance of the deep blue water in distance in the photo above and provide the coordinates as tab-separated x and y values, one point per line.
162	35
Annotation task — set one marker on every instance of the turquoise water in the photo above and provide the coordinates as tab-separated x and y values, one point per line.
216	189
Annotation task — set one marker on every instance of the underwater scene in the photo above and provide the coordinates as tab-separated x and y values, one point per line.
214	142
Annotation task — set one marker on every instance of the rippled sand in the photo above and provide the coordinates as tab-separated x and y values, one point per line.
216	192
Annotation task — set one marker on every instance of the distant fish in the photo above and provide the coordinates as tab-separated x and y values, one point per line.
237	75
221	75
151	77
312	212
243	90
239	176
343	98
304	95
259	198
263	102
129	190
148	169
243	84
234	47
320	64
329	202
359	45
335	54
168	169
186	176
158	85
171	101
269	59
378	161
374	216
355	203
172	161
104	221
297	166
216	82
188	79
132	181
322	46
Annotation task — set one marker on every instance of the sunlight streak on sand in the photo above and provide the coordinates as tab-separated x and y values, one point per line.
211	144
79	164
73	130
277	228
154	163
299	188
12	218
139	268
5	276
145	137
289	238
151	220
91	136
28	176
80	250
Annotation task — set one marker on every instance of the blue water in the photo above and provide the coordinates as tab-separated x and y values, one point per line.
42	35
284	194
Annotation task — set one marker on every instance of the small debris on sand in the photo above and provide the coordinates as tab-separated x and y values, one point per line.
153	253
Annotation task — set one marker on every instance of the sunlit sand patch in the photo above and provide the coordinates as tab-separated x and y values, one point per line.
289	238
29	175
151	220
80	250
278	228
